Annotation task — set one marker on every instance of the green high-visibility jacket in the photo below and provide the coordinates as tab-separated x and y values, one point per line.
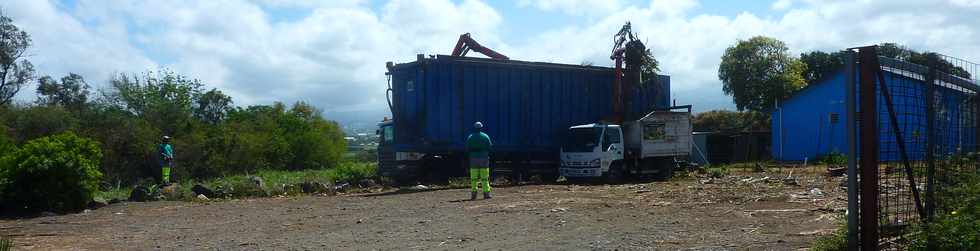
478	145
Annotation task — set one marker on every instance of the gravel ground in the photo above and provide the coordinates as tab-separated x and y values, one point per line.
744	211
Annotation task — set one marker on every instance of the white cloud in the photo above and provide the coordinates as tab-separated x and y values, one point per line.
689	46
574	7
62	44
333	54
782	4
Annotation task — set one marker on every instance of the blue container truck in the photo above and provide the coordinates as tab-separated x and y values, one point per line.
525	107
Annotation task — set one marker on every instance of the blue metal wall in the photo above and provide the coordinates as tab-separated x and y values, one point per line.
524	106
801	126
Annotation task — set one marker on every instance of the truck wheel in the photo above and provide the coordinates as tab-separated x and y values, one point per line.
616	174
666	171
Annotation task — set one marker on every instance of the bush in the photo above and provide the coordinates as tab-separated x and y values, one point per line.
833	242
57	173
958	229
354	172
835	159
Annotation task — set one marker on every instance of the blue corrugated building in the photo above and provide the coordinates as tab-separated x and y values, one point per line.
812	123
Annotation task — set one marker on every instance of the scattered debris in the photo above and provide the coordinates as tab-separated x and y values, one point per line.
201	197
365	183
97	203
200	189
559	209
420	187
816	192
836	171
140	194
341	187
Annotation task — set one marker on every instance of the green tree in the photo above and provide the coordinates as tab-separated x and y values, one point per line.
212	107
892	50
759	72
820	64
71	93
15	70
164	99
730	121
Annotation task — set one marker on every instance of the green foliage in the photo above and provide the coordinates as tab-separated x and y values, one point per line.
6	244
72	93
165	99
759	72
834	159
892	50
39	121
834	242
730	121
58	173
958	228
353	172
15	71
719	171
820	64
212	107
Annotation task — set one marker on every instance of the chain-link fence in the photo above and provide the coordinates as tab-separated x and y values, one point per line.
912	138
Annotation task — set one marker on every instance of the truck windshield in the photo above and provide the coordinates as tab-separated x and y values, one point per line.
582	139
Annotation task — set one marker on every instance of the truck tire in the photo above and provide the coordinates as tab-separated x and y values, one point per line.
616	174
666	170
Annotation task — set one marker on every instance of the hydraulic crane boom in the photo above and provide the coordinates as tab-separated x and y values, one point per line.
466	43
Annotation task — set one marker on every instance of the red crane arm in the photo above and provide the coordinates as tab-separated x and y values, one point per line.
466	43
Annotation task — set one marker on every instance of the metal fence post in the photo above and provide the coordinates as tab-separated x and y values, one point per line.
852	183
869	149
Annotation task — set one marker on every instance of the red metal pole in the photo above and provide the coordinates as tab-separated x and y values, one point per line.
617	98
869	148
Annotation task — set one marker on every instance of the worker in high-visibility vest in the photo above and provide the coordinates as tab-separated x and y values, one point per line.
166	159
478	148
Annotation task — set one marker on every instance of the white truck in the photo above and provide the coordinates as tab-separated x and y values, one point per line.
653	145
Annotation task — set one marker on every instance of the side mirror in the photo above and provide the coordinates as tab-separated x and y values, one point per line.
611	148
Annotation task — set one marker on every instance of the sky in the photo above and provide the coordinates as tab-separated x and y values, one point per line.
332	53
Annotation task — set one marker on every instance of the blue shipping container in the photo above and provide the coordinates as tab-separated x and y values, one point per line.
525	106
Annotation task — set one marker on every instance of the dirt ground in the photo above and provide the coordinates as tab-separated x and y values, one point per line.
756	211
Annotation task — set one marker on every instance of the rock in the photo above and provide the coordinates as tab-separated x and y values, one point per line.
341	187
816	192
140	194
367	183
420	187
201	197
97	203
315	187
257	181
836	171
114	201
559	209
171	191
203	190
48	214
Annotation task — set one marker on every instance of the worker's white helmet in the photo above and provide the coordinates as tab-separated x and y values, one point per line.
478	125
165	137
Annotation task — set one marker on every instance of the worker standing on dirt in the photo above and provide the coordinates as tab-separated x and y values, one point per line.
478	146
166	159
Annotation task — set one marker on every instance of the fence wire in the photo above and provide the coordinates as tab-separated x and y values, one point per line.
928	131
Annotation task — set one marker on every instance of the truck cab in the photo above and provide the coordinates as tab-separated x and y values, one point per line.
652	145
591	150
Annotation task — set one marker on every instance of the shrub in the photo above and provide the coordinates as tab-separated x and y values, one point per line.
833	242
835	159
959	228
353	172
57	173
